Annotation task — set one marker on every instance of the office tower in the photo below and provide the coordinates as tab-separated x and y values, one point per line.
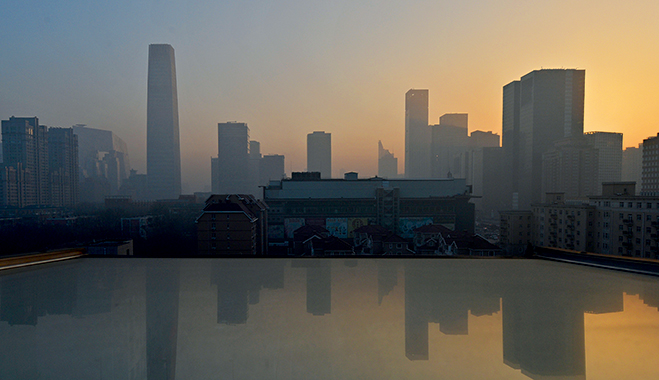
571	167
544	106
650	167
163	156
483	168
510	142
632	161
417	135
231	169
271	168
104	163
387	163
255	165
63	166
319	153
481	139
449	143
25	151
609	147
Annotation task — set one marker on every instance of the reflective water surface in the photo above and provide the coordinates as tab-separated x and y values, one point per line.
326	319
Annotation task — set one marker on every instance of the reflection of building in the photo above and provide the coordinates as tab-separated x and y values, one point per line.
162	303
319	153
338	204
319	287
163	156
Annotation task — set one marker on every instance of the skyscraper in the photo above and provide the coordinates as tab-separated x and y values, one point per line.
609	152
632	161
25	150
63	166
449	143
541	108
319	153
231	170
387	163
650	168
163	156
417	135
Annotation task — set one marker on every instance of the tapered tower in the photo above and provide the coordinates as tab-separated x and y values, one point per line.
163	154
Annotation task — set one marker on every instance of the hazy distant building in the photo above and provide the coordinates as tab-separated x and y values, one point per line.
231	169
609	152
387	163
450	141
104	163
632	162
63	167
650	167
319	153
271	168
571	167
417	135
163	156
25	149
541	108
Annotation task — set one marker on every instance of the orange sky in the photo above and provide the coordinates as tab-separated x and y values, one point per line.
290	68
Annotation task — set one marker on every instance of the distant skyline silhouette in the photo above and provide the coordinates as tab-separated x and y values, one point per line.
289	69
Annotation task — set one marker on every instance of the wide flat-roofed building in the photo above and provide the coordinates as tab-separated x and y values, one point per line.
342	205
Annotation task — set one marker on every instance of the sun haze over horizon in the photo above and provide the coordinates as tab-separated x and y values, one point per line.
288	69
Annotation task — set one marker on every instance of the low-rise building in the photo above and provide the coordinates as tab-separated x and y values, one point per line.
343	205
232	224
515	231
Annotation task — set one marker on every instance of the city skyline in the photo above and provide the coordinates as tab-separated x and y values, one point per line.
345	74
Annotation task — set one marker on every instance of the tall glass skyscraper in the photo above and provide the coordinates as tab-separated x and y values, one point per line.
417	135
319	153
163	152
544	106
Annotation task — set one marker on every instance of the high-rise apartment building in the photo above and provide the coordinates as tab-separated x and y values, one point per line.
417	135
25	151
571	167
650	167
387	163
163	156
609	153
231	170
541	108
63	166
40	165
319	153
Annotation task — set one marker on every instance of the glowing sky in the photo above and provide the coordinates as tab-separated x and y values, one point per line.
290	67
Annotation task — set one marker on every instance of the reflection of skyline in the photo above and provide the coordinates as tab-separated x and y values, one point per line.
543	331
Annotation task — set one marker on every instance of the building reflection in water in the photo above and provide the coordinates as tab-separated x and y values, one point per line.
162	299
542	309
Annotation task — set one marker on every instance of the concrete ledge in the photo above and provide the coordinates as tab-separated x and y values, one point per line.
620	263
40	258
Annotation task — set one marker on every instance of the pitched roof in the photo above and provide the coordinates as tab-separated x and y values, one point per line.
433	228
372	229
